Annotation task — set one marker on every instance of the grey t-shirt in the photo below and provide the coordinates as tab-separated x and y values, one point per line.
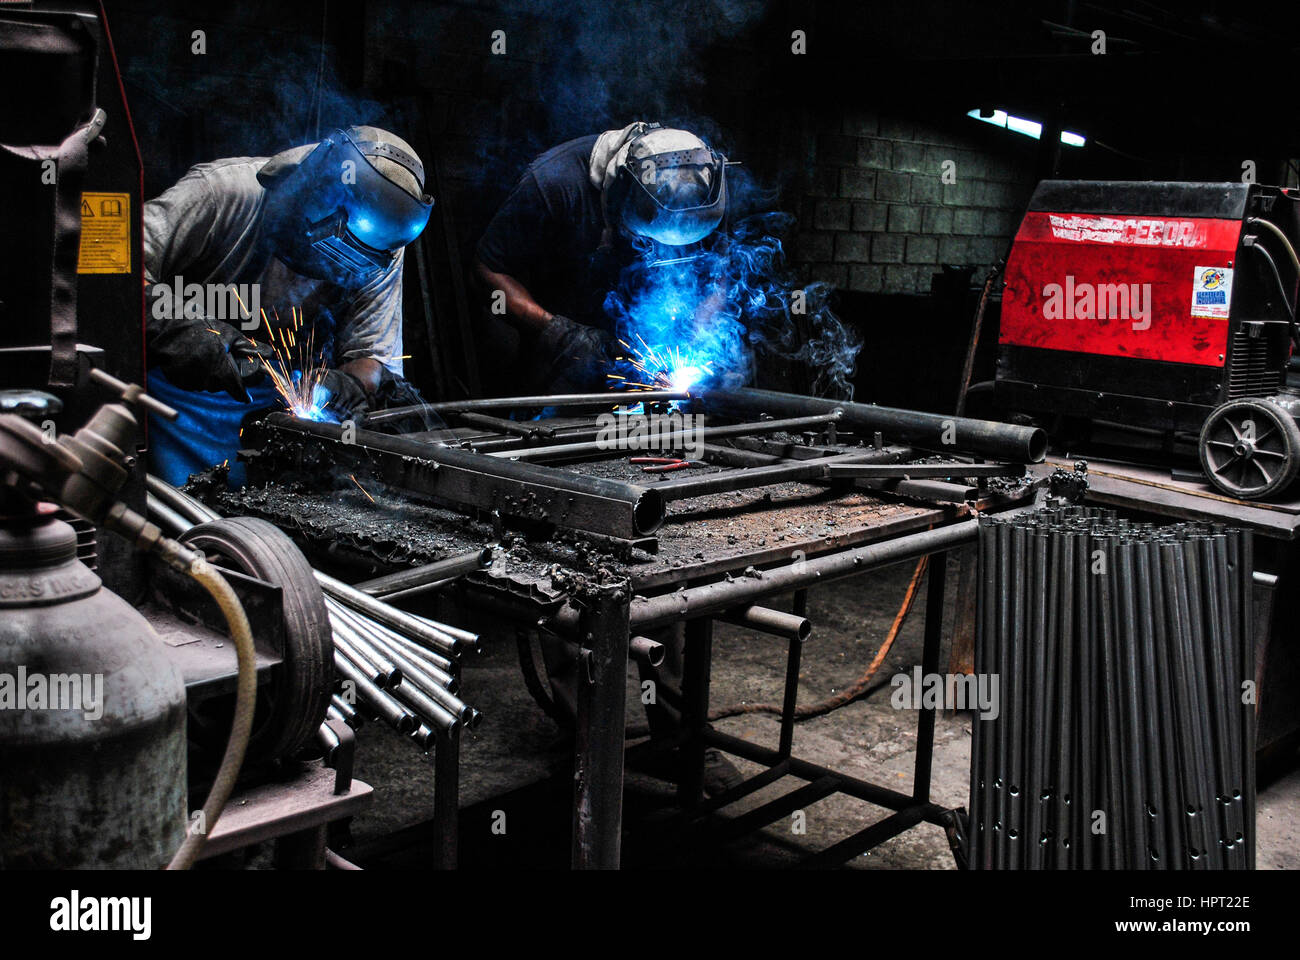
209	228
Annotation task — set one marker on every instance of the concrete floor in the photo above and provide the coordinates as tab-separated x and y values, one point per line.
516	763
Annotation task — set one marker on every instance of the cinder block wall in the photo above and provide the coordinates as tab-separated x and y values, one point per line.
878	216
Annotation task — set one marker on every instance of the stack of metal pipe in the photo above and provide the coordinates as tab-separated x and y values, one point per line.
392	665
1125	731
395	666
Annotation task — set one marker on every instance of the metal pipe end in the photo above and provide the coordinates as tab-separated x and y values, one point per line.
1037	445
647	651
649	512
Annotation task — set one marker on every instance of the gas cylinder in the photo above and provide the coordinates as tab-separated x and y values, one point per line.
92	712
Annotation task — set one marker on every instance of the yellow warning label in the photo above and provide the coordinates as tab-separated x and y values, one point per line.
105	233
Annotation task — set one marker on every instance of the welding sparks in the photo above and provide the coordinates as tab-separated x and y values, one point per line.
295	370
353	478
661	368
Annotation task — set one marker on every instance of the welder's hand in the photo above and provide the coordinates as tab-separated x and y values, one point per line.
575	354
347	395
208	355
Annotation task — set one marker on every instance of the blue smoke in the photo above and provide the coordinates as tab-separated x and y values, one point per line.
701	320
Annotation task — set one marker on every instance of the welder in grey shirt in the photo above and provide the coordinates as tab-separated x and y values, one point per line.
314	234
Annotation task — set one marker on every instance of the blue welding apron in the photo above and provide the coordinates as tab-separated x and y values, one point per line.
205	434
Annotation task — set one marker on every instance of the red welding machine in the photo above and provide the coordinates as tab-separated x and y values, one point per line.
1165	307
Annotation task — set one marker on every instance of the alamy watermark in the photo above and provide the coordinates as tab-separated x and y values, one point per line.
1098	301
77	914
53	691
662	432
239	304
947	691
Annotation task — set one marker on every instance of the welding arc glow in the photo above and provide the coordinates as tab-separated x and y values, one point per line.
687	322
660	368
1029	128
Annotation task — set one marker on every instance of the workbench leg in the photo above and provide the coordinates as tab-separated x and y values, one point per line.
446	799
938	570
696	666
304	850
792	661
601	727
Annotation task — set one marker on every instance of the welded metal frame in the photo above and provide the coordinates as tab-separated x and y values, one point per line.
499	471
520	489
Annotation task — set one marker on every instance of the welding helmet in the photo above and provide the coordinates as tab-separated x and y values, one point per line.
670	187
351	202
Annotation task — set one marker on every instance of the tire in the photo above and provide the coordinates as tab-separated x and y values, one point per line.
292	706
1250	449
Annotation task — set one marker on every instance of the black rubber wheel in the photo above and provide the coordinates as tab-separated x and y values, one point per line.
292	706
1250	449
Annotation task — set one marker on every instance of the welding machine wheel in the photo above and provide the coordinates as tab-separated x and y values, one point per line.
292	706
1250	449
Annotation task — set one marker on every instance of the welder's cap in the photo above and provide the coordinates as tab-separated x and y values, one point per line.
667	184
362	185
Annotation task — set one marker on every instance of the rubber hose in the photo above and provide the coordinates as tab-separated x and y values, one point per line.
245	702
1277	232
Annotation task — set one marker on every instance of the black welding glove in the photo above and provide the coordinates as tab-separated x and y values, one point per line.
347	395
575	356
394	391
207	355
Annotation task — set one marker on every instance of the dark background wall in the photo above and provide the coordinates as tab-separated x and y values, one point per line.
850	137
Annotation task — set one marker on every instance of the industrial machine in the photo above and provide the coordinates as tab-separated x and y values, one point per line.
1163	309
72	276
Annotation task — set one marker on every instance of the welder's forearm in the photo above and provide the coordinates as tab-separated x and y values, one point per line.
520	304
366	369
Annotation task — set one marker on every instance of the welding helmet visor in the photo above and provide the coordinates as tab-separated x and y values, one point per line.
357	218
676	198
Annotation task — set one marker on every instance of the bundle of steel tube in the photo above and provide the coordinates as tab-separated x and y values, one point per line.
1124	735
391	665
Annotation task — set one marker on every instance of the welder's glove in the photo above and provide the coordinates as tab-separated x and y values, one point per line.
575	355
347	395
207	355
394	391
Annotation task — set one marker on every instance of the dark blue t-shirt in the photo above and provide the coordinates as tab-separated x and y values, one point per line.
547	235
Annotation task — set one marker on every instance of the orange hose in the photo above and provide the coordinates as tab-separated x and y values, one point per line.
859	687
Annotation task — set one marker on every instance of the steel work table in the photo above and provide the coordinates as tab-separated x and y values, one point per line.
801	491
721	553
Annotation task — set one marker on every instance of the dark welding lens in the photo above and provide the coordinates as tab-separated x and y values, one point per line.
332	239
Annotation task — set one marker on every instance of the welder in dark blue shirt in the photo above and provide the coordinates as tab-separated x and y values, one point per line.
581	213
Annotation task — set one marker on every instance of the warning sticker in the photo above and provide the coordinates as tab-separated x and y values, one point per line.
105	233
1211	292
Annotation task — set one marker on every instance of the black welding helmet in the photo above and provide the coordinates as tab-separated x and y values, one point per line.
671	187
351	203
